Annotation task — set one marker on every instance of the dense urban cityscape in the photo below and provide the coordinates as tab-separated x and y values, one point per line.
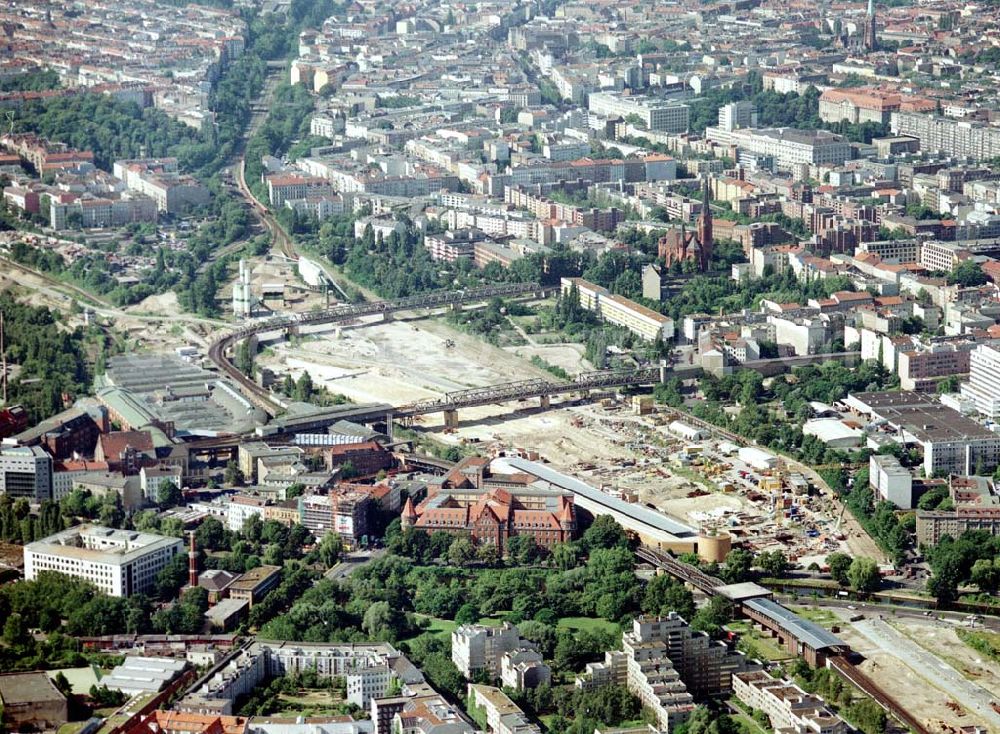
525	367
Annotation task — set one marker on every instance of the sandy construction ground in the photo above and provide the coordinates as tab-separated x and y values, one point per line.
568	356
908	673
398	361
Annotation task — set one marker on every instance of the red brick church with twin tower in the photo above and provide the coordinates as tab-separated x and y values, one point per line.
679	245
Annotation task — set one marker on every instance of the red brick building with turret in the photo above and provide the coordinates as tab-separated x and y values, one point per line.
493	508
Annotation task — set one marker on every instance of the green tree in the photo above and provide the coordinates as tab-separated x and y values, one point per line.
773	563
605	532
839	564
168	495
967	274
330	549
664	594
863	575
461	551
233	476
737	567
986	575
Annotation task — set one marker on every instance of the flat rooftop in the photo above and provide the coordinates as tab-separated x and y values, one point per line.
102	545
22	688
636	512
254	578
803	630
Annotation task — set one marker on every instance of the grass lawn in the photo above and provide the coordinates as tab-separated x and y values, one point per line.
765	646
439	627
822	617
591	624
310	702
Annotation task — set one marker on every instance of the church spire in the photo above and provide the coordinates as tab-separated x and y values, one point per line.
705	240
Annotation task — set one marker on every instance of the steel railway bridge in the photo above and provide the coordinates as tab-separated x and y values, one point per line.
450	403
219	350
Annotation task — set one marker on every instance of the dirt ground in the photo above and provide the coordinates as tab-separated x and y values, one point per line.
399	362
904	684
568	356
603	443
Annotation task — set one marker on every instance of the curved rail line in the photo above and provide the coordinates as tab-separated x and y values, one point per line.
344	312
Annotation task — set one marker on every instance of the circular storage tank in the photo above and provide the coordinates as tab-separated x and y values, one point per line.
714	546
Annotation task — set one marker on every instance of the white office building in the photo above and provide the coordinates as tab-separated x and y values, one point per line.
25	471
983	387
662	115
737	115
118	562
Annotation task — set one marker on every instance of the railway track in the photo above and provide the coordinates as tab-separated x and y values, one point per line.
870	688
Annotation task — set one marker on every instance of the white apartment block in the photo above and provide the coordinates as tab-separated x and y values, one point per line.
788	146
240	509
790	709
159	179
983	387
615	309
941	255
321	207
25	471
665	663
656	114
475	647
282	187
94	213
118	562
890	480
953	137
369	669
502	715
524	668
804	335
737	115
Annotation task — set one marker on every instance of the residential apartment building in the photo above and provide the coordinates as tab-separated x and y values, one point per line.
67	211
524	668
369	669
615	309
922	368
454	244
160	179
890	480
118	562
25	471
656	114
947	135
666	664
789	708
282	187
788	146
942	255
241	508
977	507
494	708
983	387
320	207
737	115
476	648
